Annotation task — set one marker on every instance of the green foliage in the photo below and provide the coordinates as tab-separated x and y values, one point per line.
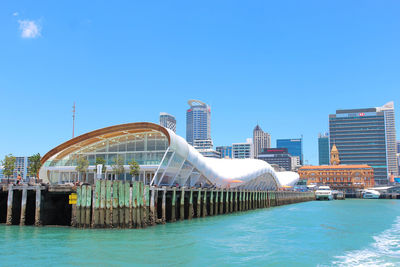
118	166
134	168
34	165
82	165
8	165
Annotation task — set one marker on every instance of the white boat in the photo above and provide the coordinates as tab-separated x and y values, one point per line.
371	194
324	193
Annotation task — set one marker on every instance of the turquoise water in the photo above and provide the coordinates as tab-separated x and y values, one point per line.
334	233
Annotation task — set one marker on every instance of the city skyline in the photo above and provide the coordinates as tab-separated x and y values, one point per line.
285	71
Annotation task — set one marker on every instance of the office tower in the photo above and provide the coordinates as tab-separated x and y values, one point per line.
168	121
323	149
198	124
366	136
243	150
278	156
261	140
294	146
226	151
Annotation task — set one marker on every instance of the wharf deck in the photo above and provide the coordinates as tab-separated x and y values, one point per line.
119	204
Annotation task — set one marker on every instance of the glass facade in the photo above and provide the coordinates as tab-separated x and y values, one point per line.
294	147
225	151
242	151
146	148
360	139
323	150
198	122
168	121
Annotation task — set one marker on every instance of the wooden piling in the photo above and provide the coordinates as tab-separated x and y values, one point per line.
182	204
164	206
226	201
230	200
96	204
140	198
216	207
88	205
83	206
221	202
146	205
115	212
198	211
38	220
9	204
173	205
191	212
240	195
245	198
121	203
153	210
204	213
78	205
127	200
23	204
211	202
108	203
134	200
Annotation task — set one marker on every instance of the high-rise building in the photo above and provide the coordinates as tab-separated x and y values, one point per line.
226	151
366	136
261	140
323	149
278	156
21	168
294	147
198	123
168	121
398	146
243	150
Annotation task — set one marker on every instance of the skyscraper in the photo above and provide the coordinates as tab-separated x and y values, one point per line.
294	146
198	123
261	140
366	136
168	121
323	149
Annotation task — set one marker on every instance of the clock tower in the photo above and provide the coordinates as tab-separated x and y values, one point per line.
334	156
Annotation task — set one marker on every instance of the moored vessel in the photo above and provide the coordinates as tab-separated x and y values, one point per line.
371	194
324	193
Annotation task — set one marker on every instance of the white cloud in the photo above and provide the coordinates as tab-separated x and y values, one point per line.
15	14
29	28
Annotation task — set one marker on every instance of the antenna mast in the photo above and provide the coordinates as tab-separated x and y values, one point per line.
73	120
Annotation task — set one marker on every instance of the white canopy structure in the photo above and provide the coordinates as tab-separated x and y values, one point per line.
164	158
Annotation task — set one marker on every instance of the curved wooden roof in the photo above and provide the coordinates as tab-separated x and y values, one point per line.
101	134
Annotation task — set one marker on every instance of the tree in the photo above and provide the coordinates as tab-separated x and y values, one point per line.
118	166
8	166
134	168
100	161
34	165
82	165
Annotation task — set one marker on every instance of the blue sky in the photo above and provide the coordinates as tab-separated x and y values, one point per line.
284	64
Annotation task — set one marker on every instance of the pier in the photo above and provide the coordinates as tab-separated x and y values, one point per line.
119	204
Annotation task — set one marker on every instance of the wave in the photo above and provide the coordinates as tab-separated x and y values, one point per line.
384	251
